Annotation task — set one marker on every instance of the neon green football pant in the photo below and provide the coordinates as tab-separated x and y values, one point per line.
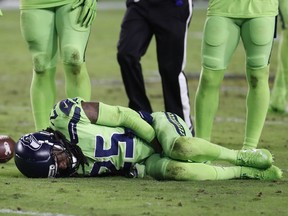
49	32
221	38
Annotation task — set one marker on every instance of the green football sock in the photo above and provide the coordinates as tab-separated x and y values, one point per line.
77	81
225	173
199	150
206	101
42	93
257	103
199	171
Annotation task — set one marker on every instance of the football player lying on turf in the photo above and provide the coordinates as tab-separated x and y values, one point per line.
116	140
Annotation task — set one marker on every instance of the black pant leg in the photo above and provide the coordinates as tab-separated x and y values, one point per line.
135	36
171	24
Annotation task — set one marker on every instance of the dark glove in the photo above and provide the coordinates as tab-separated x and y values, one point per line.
88	11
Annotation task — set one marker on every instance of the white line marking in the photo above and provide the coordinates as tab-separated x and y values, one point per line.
10	211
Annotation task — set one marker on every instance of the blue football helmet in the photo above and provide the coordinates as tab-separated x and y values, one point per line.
34	155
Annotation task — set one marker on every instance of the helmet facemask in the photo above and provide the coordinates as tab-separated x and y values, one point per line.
66	163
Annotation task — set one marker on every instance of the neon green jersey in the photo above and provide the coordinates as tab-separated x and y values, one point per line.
242	8
32	4
108	149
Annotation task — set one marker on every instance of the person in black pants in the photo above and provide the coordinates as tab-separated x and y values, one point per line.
168	21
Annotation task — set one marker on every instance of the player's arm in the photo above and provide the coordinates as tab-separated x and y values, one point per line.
1	14
113	116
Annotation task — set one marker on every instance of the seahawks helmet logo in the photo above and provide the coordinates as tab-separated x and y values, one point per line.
34	143
31	142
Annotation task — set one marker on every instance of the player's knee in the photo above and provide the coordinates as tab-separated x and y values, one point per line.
211	79
182	148
41	63
178	171
213	62
71	55
156	165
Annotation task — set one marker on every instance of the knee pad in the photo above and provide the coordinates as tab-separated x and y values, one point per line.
215	32
257	61
262	32
215	36
71	55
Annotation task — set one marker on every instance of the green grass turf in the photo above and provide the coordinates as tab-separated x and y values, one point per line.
121	196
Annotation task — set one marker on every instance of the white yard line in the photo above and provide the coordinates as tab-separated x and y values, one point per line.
10	211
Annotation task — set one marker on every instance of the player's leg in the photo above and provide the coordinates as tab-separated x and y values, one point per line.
221	37
73	40
134	39
199	150
38	30
279	94
171	29
284	49
177	143
257	35
163	168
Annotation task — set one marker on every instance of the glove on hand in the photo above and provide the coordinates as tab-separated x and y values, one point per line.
146	116
88	11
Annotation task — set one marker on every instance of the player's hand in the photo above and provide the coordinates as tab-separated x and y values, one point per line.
88	11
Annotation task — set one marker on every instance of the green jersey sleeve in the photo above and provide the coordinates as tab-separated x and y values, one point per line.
117	116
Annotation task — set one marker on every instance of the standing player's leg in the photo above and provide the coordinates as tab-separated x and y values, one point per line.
279	94
134	39
221	37
37	27
171	31
164	168
73	40
257	35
